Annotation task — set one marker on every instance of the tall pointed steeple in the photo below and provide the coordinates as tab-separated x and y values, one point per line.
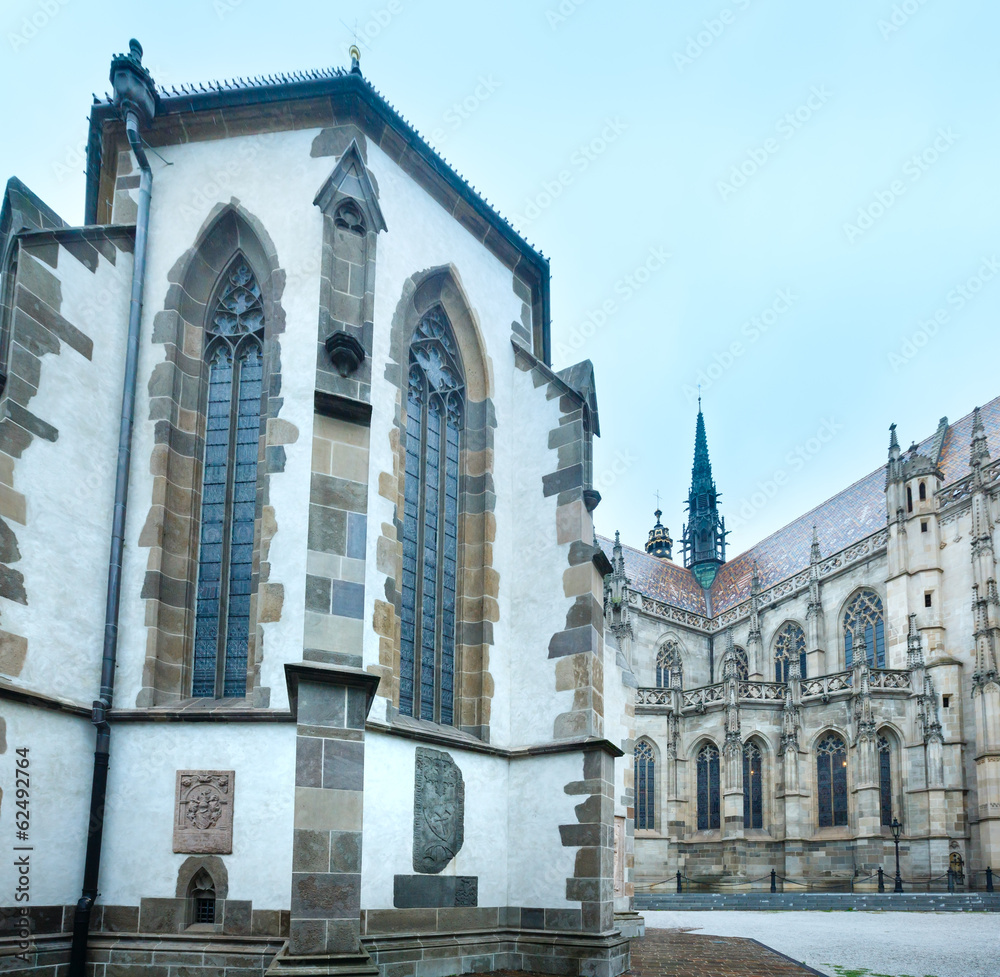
705	533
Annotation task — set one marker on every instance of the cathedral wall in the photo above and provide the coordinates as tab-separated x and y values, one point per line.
139	861
59	459
57	804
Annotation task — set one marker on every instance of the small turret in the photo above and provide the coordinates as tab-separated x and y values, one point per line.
659	543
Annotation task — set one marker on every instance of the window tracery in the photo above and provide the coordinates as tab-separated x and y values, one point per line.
645	780
669	666
864	619
709	796
434	421
753	788
789	646
233	351
831	781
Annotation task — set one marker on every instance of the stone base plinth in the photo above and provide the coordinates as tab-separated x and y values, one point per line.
358	964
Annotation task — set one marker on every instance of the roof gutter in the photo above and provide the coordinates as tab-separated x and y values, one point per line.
135	98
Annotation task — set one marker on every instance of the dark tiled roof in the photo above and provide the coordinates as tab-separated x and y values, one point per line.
848	517
658	578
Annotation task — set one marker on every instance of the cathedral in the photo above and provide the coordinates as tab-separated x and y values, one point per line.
282	688
839	680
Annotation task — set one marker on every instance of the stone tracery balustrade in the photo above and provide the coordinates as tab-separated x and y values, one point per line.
856	553
881	680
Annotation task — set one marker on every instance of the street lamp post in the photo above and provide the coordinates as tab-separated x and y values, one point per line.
897	829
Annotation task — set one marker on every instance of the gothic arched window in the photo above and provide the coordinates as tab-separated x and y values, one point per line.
789	646
753	788
201	899
709	799
885	779
645	781
742	664
233	351
668	663
863	619
435	409
831	781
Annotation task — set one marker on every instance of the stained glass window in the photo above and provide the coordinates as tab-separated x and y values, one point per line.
753	792
709	798
668	661
788	646
885	780
434	417
863	619
742	664
831	781
645	780
229	486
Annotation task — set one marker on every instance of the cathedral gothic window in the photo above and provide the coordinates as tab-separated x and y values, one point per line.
233	352
831	781
709	797
885	780
789	646
742	664
863	620
645	780
435	410
668	663
753	792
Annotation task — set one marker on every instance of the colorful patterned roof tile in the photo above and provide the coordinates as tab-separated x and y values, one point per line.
850	516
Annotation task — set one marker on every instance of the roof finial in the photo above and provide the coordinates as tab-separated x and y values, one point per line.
355	54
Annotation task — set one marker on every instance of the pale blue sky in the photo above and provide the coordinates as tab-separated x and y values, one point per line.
609	132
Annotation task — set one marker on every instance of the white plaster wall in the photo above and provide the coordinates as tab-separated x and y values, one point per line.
390	764
274	179
540	602
59	747
421	236
69	488
537	864
138	859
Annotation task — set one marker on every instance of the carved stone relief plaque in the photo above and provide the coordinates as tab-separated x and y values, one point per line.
438	810
203	814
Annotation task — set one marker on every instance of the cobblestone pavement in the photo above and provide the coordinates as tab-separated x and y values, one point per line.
864	944
680	953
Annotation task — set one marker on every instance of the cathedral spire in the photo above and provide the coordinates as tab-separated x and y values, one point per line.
705	533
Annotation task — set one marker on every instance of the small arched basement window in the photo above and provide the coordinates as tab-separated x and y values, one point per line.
201	899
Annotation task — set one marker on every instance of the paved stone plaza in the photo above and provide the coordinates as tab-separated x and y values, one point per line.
841	944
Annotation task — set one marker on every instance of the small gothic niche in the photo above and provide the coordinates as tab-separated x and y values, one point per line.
351	222
201	899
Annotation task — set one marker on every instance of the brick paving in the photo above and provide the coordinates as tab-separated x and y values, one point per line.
681	953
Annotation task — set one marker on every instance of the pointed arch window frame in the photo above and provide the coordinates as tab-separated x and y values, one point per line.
753	786
709	788
234	358
865	613
668	660
885	787
644	764
435	419
789	641
831	781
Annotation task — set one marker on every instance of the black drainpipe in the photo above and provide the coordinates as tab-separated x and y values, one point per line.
135	99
